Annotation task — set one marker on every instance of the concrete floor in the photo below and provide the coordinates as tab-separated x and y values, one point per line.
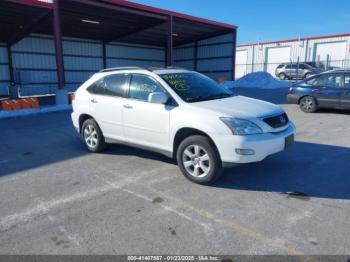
55	198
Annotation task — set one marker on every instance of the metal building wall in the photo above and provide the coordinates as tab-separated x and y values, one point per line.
304	50
35	65
212	57
121	54
4	71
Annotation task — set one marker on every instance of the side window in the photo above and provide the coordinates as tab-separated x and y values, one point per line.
312	81
97	87
141	86
347	81
115	85
291	66
302	66
330	80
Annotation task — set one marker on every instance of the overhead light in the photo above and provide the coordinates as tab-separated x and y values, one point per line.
90	21
174	34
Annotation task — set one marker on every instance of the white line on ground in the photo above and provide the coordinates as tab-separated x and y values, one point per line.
63	230
44	207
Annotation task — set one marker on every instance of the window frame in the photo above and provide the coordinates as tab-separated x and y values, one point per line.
345	74
152	78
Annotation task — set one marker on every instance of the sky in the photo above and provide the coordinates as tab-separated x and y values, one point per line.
267	20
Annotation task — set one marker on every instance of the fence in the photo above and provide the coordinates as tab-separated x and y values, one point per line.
297	66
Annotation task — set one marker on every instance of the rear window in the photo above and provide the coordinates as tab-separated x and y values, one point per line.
280	66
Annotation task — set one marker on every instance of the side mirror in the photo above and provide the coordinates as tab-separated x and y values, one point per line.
158	98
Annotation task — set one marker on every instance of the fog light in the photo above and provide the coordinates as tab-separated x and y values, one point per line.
241	151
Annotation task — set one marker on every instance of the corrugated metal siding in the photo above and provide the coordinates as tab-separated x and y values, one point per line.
4	71
121	54
214	56
35	63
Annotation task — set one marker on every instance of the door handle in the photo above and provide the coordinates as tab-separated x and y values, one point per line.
127	106
94	100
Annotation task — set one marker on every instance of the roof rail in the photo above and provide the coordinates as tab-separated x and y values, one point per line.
120	68
166	67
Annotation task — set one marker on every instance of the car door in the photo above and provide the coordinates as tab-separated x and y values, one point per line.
327	88
145	123
291	70
107	97
345	96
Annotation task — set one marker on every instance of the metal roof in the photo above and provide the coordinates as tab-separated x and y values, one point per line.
107	20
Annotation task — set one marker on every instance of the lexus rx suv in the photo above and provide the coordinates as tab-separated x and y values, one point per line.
181	114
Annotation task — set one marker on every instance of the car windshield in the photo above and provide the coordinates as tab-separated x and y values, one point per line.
195	87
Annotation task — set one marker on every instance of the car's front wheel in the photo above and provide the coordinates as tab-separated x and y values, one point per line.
199	160
308	104
92	136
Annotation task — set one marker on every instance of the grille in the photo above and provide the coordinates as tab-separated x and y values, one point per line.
277	121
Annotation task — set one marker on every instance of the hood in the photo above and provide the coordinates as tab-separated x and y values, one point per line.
240	107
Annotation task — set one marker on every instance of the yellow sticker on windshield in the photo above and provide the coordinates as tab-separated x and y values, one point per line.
177	81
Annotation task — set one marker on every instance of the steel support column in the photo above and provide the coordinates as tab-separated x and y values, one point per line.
234	41
169	53
10	64
58	44
104	58
195	55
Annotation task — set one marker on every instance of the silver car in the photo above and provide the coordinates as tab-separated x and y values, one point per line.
295	71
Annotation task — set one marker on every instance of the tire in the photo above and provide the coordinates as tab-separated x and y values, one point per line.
307	75
199	160
92	136
282	76
308	104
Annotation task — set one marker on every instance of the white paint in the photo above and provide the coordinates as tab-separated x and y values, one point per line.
64	231
241	63
275	56
46	206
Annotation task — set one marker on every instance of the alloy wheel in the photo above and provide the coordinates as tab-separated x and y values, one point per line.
90	136
196	161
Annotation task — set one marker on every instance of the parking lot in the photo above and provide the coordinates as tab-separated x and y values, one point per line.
55	198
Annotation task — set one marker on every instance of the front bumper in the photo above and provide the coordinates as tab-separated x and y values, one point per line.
263	145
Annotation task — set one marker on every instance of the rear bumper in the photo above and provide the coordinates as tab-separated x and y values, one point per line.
75	121
293	98
262	145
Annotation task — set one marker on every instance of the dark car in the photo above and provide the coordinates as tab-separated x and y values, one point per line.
295	71
327	90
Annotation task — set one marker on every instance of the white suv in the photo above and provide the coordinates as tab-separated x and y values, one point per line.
181	114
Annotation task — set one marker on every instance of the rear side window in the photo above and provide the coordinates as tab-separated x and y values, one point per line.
115	85
280	66
97	87
141	86
329	80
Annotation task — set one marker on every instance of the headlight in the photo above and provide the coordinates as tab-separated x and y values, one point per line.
241	126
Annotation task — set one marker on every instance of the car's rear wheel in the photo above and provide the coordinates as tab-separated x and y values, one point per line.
307	75
282	76
92	136
308	104
199	160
